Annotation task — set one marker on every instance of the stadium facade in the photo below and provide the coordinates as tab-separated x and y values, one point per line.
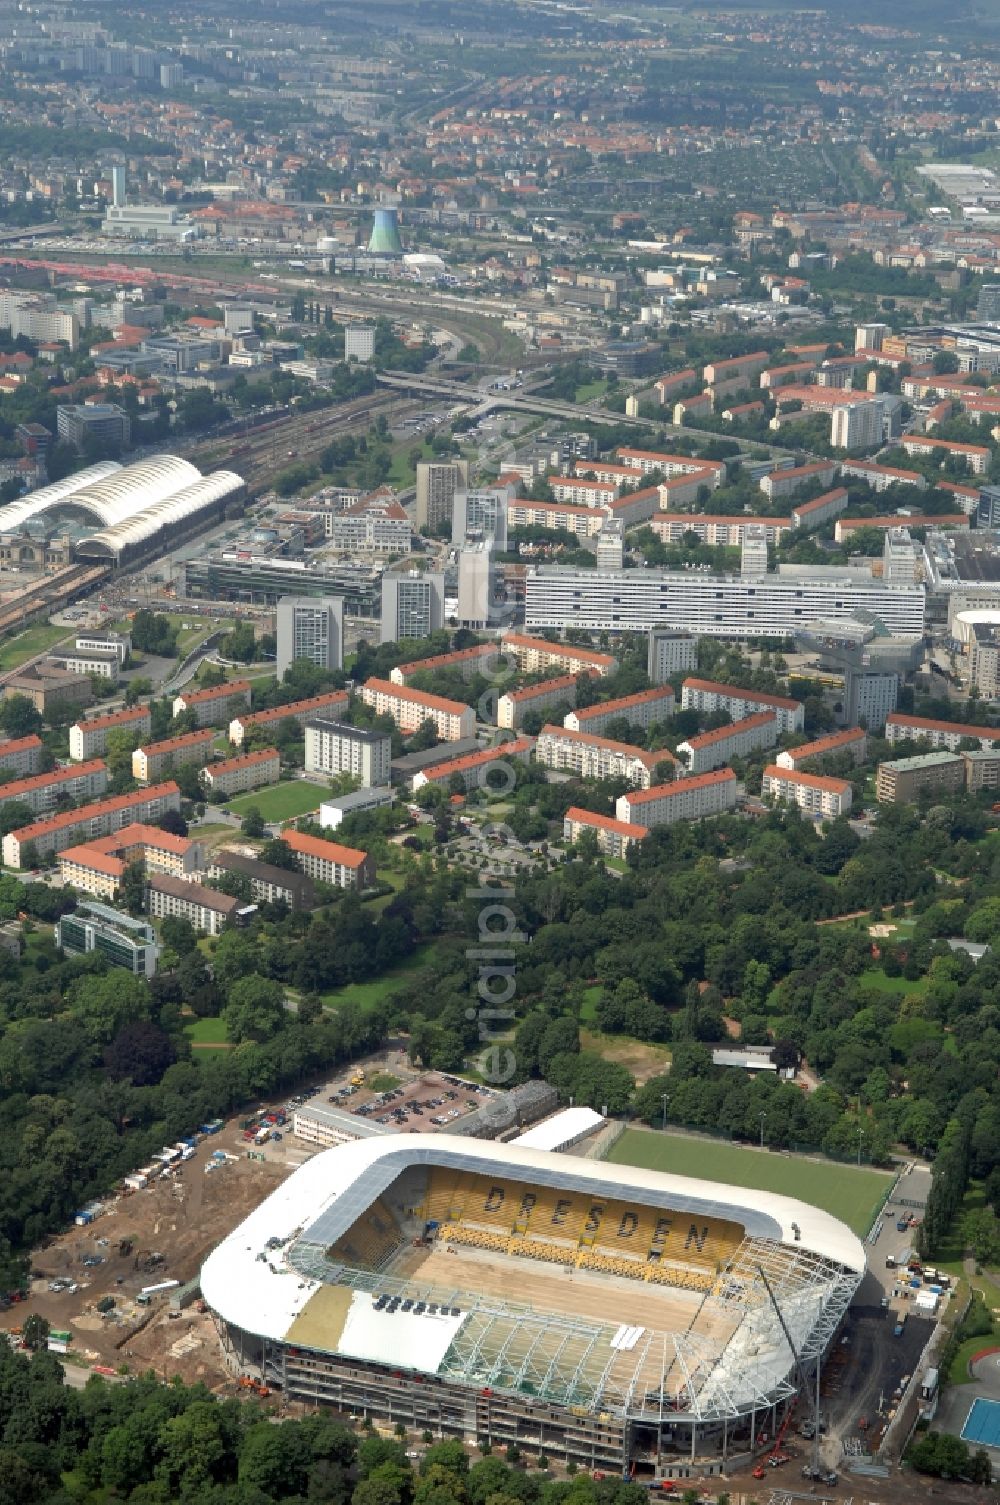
135	507
613	1317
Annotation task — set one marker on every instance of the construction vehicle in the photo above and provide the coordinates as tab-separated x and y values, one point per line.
358	1079
125	1247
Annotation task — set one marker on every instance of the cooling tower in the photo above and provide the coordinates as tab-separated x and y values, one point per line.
385	239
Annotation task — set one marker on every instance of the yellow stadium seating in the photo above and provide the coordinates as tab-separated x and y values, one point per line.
372	1239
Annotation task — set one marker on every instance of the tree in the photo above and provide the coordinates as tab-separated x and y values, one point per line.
279	854
105	1003
35	1332
18	717
141	1052
255	1009
133	887
253	822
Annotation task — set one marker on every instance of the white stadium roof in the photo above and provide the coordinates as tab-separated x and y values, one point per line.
269	1269
561	1129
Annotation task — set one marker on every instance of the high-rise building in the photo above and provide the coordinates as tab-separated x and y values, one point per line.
857	425
869	697
359	342
670	653
412	606
988	307
118	187
900	557
476	584
437	482
310	628
333	747
481	514
753	553
611	545
237	318
870	336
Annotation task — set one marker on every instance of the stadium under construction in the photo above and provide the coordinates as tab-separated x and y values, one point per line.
649	1325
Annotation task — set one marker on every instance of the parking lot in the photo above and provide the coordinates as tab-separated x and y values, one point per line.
417	1103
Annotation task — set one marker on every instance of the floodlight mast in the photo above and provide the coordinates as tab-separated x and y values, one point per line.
803	1380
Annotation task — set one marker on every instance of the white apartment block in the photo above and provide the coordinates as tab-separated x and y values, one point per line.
710	473
853	741
452	720
36	317
70	827
89	739
149	763
820	510
329	704
532	655
334	747
786	482
217	705
594	757
670	653
736	372
582	521
722	606
681	491
206	909
975	456
614	837
41	791
940	734
881	477
329	862
480	659
583	493
716	532
475	768
710	695
516	704
811	792
716	748
856	425
250	771
644	709
21	755
687	799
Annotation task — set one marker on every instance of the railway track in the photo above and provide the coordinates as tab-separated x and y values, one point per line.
47	596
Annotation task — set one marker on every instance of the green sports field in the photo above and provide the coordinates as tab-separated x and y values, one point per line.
281	801
845	1191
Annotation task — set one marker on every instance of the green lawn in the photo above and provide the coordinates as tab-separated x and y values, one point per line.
842	1190
281	801
591	390
206	1032
588	1013
32	640
875	978
367	995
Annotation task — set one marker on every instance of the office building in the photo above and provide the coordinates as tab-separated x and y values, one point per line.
644	709
89	739
903	779
722	606
686	799
516	704
670	653
118	643
206	909
252	770
988	509
814	794
410	708
118	187
984	659
852	742
153	761
103	424
900	727
359	342
150	222
333	812
21	756
334	747
268	884
412	606
103	663
710	695
481	514
716	748
310	629
375	524
477	585
532	655
123	941
329	862
437	483
331	703
595	757
486	769
614	837
217	705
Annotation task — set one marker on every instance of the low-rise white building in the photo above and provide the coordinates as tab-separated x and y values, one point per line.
717	748
711	695
811	792
687	799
